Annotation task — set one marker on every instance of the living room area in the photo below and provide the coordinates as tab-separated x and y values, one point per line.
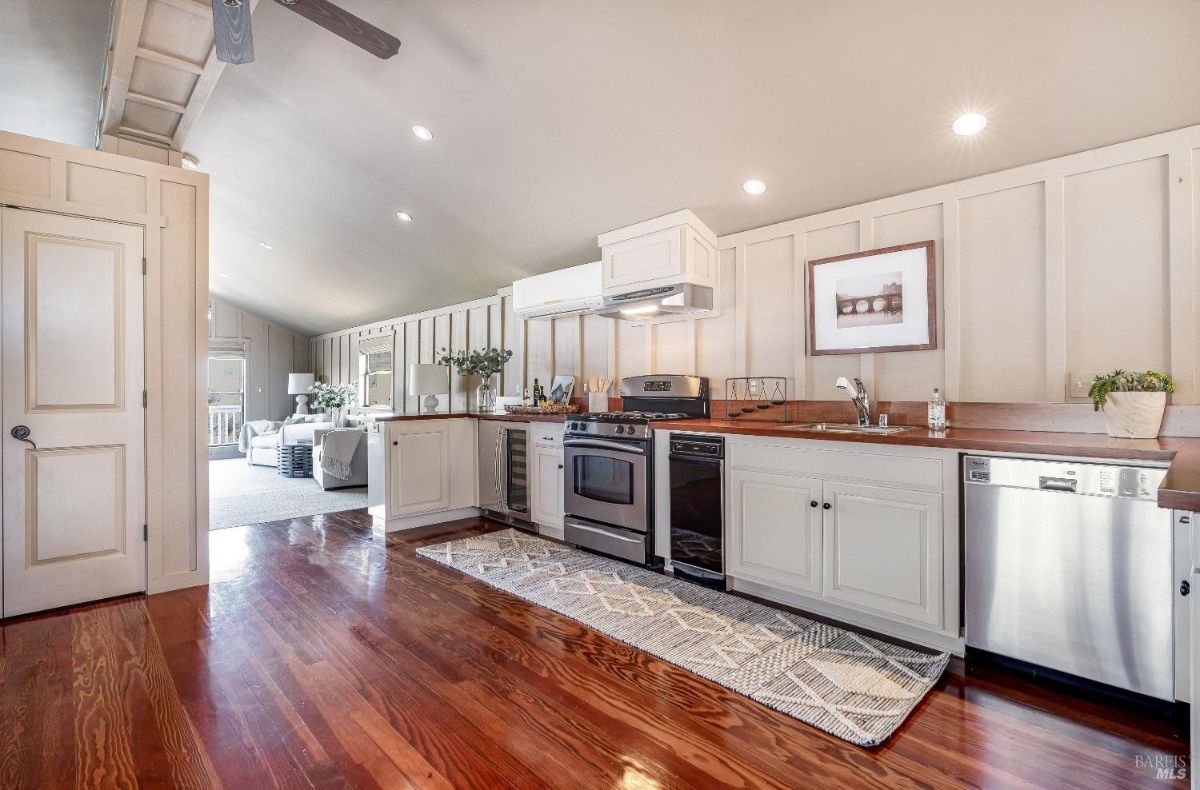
279	445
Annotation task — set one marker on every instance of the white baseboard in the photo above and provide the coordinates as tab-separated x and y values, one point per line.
380	526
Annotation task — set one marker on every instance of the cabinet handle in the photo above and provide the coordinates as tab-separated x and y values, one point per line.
395	442
560	466
827	506
812	503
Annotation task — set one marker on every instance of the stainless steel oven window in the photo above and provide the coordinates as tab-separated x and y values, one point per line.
618	495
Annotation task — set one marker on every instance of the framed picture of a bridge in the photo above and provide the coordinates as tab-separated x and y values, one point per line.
874	301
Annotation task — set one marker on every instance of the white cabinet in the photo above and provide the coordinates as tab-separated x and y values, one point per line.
548	481
420	472
547	478
666	250
855	533
883	550
776	530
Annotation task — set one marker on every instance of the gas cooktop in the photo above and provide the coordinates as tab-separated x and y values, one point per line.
631	416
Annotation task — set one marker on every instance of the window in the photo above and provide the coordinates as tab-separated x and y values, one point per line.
376	367
226	399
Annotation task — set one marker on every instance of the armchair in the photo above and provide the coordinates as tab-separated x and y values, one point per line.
358	464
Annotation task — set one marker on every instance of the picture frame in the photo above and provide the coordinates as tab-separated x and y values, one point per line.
877	301
561	389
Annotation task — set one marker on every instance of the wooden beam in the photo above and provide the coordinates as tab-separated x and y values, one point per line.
127	31
191	6
153	101
170	60
209	74
154	137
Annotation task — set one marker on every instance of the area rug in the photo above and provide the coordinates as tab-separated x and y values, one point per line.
849	685
240	493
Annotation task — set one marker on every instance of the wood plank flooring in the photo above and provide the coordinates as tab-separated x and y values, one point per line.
318	657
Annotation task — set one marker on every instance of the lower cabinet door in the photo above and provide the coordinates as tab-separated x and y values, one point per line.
420	470
548	485
883	551
775	529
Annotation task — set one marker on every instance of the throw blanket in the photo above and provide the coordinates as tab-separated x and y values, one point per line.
255	428
337	451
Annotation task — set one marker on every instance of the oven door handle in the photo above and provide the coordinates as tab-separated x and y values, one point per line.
600	444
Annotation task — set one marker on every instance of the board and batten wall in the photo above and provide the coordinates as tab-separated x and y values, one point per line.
271	351
1046	273
171	205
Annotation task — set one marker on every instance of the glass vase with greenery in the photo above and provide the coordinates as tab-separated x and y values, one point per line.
335	399
483	362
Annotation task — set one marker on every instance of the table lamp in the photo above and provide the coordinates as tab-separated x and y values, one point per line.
299	384
430	381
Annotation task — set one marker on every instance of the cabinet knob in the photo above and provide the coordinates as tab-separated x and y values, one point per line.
395	442
827	506
560	466
812	503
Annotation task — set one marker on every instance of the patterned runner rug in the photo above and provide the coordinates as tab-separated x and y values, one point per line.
852	686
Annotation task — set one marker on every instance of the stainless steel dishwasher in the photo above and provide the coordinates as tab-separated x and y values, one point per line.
1069	566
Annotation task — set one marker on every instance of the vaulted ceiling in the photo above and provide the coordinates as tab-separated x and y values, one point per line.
555	120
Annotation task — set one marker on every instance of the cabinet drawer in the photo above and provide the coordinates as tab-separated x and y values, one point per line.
547	434
896	470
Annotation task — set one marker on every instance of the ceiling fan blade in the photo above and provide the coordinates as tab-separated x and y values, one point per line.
231	31
348	26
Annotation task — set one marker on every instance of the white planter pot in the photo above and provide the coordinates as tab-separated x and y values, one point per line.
1134	415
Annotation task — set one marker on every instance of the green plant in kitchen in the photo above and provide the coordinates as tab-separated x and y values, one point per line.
1124	381
483	362
1133	403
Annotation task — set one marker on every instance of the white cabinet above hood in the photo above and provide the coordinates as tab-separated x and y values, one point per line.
658	269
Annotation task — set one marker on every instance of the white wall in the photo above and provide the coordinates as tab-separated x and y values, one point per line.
272	352
1047	273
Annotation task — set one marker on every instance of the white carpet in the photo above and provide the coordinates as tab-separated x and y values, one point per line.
243	494
850	685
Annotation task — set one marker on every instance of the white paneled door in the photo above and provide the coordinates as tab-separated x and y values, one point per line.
72	373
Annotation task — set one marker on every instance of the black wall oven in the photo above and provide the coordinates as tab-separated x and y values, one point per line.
697	466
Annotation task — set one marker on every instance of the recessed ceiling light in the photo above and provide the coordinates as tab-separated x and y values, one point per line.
754	187
404	216
969	124
265	246
189	162
423	133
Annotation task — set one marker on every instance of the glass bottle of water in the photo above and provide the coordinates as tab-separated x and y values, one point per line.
937	411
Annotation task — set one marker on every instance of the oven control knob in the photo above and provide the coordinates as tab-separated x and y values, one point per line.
620	429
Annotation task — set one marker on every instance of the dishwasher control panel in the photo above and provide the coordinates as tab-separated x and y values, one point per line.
1105	480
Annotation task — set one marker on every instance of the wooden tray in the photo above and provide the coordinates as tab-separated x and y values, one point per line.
555	409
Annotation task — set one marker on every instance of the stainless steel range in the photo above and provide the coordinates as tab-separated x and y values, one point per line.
609	458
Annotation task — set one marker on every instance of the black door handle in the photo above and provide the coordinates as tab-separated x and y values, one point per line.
22	433
827	506
812	503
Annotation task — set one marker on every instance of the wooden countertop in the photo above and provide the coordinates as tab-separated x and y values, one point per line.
1180	489
457	415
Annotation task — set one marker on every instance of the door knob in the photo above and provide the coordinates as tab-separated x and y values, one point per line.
22	433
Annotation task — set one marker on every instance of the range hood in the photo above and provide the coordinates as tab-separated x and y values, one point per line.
664	300
565	292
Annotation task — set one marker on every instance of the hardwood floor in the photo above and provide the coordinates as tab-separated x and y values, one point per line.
319	658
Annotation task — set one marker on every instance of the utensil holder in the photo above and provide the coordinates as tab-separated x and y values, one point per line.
597	401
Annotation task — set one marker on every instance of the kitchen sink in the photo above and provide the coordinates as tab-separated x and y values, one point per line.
847	427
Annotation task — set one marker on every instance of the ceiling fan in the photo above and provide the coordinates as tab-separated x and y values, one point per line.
231	26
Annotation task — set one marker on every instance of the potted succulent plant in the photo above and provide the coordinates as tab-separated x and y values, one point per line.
1133	403
485	363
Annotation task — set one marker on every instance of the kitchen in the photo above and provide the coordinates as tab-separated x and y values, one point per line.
1009	527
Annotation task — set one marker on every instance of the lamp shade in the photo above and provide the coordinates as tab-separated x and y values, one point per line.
300	383
428	380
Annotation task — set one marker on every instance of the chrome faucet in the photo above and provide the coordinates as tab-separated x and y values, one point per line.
862	403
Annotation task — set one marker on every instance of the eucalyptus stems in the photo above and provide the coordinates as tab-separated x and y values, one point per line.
485	362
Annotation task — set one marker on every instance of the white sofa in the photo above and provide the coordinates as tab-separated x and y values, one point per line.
263	447
358	464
